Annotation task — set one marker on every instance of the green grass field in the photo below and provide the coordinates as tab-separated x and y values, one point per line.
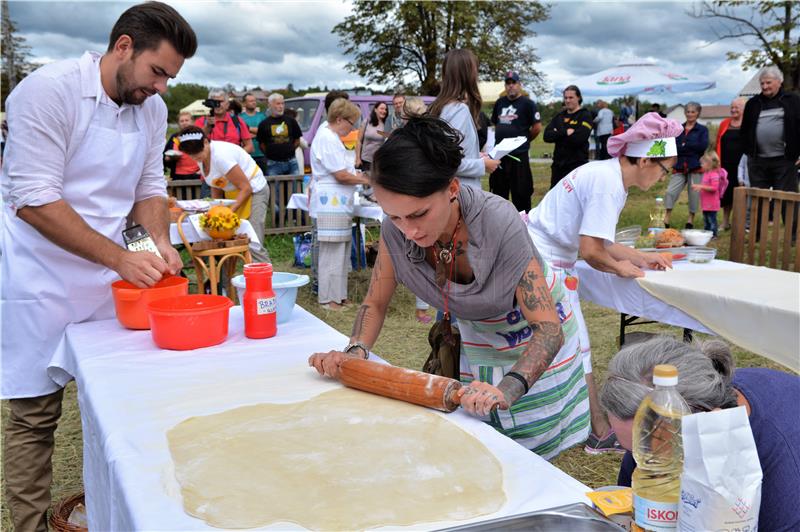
403	342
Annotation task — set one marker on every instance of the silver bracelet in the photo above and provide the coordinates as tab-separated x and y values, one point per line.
360	345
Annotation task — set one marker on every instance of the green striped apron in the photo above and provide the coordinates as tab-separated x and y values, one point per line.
554	414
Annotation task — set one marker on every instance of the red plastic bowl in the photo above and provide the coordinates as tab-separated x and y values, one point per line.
131	301
189	322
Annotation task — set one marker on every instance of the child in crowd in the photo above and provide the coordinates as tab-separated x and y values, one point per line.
711	188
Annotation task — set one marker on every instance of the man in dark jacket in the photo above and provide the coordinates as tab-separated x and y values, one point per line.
771	133
569	130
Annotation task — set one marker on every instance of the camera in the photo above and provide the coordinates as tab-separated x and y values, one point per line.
213	104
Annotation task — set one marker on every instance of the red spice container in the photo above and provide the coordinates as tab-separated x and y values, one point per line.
260	304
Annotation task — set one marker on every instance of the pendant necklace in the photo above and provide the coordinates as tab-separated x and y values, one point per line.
444	255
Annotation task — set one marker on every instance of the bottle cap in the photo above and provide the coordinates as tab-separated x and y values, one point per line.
665	375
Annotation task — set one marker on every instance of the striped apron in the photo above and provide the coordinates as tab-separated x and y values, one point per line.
554	414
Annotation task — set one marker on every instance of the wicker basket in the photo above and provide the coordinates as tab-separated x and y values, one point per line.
59	519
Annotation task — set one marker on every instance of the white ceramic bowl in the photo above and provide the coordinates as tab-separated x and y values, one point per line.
697	237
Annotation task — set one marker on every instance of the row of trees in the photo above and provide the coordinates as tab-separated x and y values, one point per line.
402	43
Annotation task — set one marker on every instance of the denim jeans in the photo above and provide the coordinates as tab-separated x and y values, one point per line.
287	188
710	221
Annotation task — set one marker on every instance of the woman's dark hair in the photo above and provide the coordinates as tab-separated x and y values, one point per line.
459	83
194	146
150	23
576	90
418	159
373	116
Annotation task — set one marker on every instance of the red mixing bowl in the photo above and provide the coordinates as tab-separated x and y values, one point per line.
131	301
189	322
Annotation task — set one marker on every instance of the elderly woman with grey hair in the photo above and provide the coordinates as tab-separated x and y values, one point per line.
707	380
692	144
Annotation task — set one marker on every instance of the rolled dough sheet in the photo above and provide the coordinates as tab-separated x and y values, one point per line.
343	460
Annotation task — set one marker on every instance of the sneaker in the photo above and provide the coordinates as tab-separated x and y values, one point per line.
689	225
609	444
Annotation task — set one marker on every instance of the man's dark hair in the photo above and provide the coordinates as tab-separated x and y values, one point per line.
656	106
418	159
246	94
152	22
334	95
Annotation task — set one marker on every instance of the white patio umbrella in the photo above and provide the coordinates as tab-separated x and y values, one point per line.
638	79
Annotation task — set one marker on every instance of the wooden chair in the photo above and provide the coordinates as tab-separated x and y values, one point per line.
220	254
763	244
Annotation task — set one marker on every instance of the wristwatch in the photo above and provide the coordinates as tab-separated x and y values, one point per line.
360	345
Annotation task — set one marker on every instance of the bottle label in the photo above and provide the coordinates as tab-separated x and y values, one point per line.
654	515
267	305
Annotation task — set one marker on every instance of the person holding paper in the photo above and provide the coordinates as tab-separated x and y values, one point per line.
580	215
515	115
708	380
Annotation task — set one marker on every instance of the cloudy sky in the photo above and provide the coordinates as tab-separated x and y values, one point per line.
272	43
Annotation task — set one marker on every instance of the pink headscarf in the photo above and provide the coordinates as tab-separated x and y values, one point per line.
650	126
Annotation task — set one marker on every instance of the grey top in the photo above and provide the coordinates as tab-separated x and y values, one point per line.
471	169
371	142
769	133
499	251
604	121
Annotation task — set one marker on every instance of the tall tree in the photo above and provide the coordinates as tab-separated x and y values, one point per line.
770	27
180	95
391	41
15	54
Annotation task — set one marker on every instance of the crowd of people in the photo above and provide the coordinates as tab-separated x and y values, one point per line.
500	272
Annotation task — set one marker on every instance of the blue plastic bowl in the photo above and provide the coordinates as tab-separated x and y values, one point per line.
285	285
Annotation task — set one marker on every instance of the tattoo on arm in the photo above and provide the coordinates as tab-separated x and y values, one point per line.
546	340
535	295
376	275
361	318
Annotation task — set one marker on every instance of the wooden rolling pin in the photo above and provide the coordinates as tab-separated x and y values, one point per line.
407	385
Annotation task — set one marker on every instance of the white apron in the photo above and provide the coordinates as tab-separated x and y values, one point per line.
45	288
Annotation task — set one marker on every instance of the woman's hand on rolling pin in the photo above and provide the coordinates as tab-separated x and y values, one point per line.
480	398
328	363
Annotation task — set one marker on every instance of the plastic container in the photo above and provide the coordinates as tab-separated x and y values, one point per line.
285	286
701	255
658	450
697	237
630	233
131	301
189	322
259	303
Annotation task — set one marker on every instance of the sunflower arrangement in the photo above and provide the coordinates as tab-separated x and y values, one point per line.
220	222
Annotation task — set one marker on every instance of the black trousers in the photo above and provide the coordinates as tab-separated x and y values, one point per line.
515	178
776	173
559	170
602	148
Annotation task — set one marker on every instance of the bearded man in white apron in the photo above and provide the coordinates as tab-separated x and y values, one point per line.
84	151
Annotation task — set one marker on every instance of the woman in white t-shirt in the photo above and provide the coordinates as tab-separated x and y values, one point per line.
231	173
580	214
332	201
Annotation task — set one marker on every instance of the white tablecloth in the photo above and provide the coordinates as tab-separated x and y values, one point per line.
131	393
706	304
300	201
754	307
194	234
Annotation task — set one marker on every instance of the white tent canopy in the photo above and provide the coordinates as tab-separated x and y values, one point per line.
196	108
637	79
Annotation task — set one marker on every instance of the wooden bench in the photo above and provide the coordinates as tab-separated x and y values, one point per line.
775	241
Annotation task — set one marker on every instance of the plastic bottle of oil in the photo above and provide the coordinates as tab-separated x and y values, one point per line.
658	450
